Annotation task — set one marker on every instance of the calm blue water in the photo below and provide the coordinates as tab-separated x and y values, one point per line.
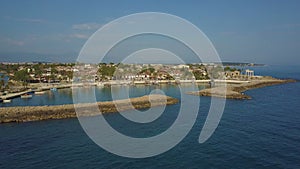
260	133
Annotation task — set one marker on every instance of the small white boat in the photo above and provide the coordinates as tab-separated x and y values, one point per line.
26	96
39	92
53	89
6	101
155	83
100	84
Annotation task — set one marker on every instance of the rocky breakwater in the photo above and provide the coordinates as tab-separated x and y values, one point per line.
235	91
35	113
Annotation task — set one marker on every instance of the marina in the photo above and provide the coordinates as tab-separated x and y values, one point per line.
241	141
150	84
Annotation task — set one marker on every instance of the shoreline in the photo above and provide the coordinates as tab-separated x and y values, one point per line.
44	87
38	113
235	91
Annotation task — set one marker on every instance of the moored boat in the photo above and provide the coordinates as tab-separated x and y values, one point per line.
26	96
7	101
39	92
53	89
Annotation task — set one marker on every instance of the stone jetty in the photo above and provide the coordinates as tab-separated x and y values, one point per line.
235	91
35	113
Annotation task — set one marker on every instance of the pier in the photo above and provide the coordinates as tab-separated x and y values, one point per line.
14	95
42	88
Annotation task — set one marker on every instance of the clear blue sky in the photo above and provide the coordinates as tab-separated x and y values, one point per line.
244	31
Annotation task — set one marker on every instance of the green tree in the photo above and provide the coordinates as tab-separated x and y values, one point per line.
106	71
216	72
227	68
38	71
2	82
22	76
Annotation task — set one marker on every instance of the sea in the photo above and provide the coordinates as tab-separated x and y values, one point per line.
263	132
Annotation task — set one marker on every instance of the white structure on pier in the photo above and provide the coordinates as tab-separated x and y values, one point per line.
249	72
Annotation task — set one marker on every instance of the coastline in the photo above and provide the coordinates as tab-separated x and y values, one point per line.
235	91
44	87
37	113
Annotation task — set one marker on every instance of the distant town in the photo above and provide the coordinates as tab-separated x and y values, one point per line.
16	77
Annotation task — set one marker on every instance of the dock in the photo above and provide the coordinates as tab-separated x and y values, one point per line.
14	95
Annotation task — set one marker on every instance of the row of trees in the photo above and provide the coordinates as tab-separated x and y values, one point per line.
2	82
106	71
39	70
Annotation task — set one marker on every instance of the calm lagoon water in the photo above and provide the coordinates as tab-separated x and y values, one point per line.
258	133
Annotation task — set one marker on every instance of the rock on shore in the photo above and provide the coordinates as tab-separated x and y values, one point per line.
35	113
235	91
